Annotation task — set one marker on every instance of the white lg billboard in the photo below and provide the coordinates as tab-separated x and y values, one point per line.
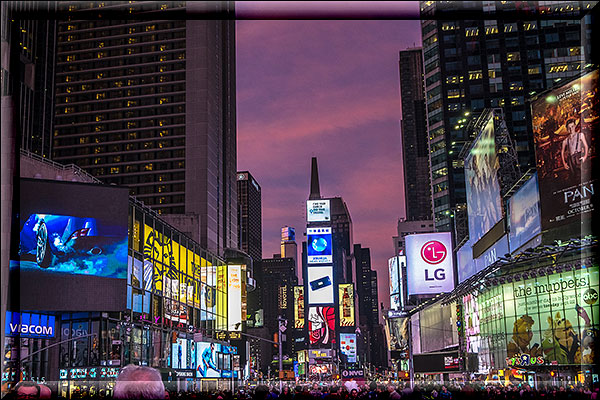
318	211
429	263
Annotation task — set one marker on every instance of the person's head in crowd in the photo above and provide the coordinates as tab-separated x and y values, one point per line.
27	390
139	382
261	392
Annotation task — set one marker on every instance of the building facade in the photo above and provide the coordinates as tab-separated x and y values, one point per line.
499	55
150	104
415	152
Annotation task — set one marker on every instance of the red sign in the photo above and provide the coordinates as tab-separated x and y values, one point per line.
433	252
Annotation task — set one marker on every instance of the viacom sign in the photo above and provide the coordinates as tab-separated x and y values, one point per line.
29	325
429	266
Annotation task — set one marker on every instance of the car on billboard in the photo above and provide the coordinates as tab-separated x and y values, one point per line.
50	240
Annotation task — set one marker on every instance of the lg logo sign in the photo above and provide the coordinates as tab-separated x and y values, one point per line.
434	252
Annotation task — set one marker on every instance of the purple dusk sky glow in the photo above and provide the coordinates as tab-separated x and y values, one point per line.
327	89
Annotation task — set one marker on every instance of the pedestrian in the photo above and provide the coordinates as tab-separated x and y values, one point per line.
139	382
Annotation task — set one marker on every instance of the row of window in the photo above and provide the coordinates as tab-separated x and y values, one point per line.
134	67
122	79
165	99
79	61
158	121
130	93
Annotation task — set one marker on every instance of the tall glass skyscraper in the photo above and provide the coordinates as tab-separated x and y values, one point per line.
492	54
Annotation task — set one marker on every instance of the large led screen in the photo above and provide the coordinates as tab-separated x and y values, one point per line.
348	346
299	307
548	320
318	211
484	205
207	360
234	298
563	123
524	210
320	285
71	247
319	246
179	354
346	300
321	326
398	328
429	267
395	265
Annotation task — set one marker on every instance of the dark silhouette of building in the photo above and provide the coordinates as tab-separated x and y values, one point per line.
415	152
250	236
149	103
28	64
500	56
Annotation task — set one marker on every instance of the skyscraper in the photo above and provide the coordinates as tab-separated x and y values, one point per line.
250	234
362	256
415	153
150	104
512	52
289	247
28	61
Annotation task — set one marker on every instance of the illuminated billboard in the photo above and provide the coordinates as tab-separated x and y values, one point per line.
29	325
320	285
484	204
546	320
524	210
429	263
209	360
398	341
318	211
299	307
321	326
563	121
319	246
72	246
395	265
288	234
179	354
234	298
348	346
346	299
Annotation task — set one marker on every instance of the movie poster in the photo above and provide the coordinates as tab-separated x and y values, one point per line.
484	206
563	121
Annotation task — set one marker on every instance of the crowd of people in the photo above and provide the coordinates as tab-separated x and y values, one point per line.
140	382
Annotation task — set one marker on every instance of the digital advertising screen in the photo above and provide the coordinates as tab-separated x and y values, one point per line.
398	334
524	210
208	293
234	298
72	246
319	246
299	307
288	233
207	360
563	121
346	299
348	346
484	204
321	326
549	320
395	265
29	325
429	263
179	358
320	285
318	211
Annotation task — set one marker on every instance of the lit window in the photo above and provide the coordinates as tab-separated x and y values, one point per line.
575	51
473	75
558	68
163	100
529	25
533	70
162	47
100	75
71	58
101	44
448	26
114	170
470	32
454	79
148	167
510	27
453	94
514	86
515	56
490	30
131	40
163	58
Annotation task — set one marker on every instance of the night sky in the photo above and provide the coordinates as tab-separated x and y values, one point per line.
330	89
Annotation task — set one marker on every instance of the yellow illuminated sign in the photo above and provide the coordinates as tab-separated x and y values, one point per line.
299	307
346	300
